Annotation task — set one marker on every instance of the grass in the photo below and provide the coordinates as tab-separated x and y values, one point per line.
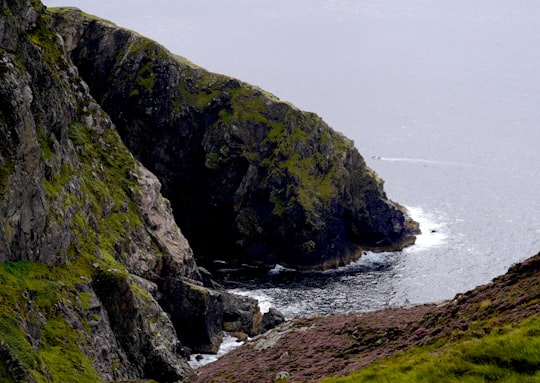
508	354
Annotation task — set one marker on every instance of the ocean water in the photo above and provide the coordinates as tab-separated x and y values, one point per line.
440	96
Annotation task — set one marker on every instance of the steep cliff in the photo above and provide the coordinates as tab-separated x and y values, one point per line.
90	255
251	179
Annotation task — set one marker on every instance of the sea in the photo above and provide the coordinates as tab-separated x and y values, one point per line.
441	97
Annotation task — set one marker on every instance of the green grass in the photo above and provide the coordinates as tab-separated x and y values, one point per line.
508	354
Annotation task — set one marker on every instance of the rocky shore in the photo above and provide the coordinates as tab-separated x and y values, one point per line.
309	349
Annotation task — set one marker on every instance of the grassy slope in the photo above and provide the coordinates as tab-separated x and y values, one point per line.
509	354
491	333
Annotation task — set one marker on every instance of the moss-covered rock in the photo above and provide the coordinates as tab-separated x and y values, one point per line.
267	183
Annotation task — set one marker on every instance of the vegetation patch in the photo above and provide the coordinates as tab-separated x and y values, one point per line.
62	352
32	295
47	41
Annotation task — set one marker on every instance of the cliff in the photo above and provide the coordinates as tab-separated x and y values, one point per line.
491	333
251	179
97	281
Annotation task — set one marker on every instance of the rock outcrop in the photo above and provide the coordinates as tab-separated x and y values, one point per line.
251	179
88	245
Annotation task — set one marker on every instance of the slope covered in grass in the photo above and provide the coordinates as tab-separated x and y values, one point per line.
508	354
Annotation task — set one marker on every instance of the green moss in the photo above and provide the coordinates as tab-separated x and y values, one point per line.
197	88
147	83
145	295
86	299
104	213
48	42
12	334
86	15
33	291
62	354
507	354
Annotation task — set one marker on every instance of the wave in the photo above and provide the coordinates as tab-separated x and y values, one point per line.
229	343
420	161
432	226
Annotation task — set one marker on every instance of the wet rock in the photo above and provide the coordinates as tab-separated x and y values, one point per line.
272	318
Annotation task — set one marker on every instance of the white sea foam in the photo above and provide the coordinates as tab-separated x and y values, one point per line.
265	301
278	269
432	227
229	343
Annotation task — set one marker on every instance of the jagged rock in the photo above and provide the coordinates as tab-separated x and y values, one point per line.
241	315
142	328
176	256
272	318
87	241
196	313
265	181
201	314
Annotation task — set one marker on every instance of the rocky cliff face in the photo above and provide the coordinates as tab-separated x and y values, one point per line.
90	255
251	179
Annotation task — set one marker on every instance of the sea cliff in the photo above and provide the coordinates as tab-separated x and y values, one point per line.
251	179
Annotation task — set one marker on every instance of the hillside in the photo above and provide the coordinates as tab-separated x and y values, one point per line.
491	333
97	281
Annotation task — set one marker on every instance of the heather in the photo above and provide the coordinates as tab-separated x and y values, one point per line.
508	354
